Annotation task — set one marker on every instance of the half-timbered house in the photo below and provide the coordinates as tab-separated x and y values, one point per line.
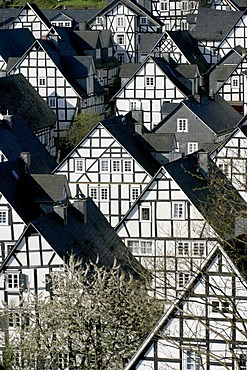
13	44
19	98
31	17
112	165
231	157
156	81
210	28
200	123
228	5
125	19
66	82
177	220
205	326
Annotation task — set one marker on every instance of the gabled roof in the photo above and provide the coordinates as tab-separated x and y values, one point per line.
17	137
38	12
7	15
56	187
163	143
79	15
173	310
18	97
148	41
14	43
128	69
221	71
131	4
86	234
123	130
214	24
89	39
188	46
169	69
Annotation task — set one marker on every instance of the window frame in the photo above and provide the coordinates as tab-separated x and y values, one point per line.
93	193
129	168
235	82
42	81
116	165
133	196
4	216
141	247
182	279
121	39
149	81
143	21
192	147
145	217
104	197
120	21
164	5
77	161
176	212
182	124
102	170
12	281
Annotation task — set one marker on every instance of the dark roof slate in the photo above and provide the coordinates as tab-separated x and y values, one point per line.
148	41
7	15
128	69
163	143
19	138
14	43
214	24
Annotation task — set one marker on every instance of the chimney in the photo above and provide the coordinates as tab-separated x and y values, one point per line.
26	157
203	164
137	116
8	119
62	211
81	205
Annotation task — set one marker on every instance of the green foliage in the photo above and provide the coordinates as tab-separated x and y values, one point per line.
83	123
95	319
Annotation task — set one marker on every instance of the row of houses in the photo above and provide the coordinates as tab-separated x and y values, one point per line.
167	172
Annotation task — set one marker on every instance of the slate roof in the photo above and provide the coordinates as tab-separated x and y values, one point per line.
7	15
19	138
218	114
14	43
133	5
206	195
54	186
38	12
20	189
214	24
122	128
223	70
148	41
18	97
128	69
163	143
79	15
88	39
188	46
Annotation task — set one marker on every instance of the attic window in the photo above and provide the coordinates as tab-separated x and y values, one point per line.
143	20
3	216
120	21
42	81
182	125
145	214
235	82
99	20
164	5
79	165
149	81
52	102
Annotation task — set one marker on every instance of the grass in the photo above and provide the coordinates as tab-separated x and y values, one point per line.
70	4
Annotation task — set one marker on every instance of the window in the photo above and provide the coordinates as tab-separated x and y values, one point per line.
192	147
149	81
12	281
14	319
120	40
193	361
104	165
116	166
99	20
183	279
67	24
225	168
133	105
98	53
79	165
184	5
110	52
145	214
198	249
134	193
120	57
184	25
120	21
143	247
42	81
220	306
104	194
143	20
182	125
193	4
183	248
164	5
128	166
242	362
3	216
235	82
52	102
178	211
93	193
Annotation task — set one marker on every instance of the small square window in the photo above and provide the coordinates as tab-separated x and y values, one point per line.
192	147
104	165
79	165
178	211
183	248
235	82
134	194
127	166
12	281
145	214
120	21
183	279
120	40
104	194
99	20
4	217
116	165
182	125
164	5
215	306
198	249
93	193
52	102
149	81
143	20
42	81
